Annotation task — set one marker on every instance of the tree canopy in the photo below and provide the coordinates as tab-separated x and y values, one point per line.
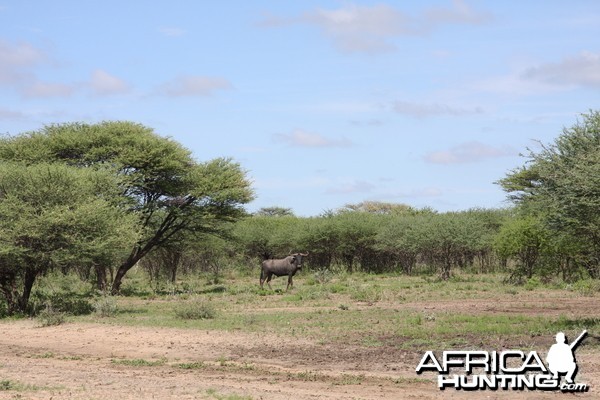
160	182
561	183
56	216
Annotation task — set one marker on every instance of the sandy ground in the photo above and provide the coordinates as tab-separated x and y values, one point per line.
94	361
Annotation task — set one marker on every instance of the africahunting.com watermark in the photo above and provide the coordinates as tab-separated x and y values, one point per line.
507	370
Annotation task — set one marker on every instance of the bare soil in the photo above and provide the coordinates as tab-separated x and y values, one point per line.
103	361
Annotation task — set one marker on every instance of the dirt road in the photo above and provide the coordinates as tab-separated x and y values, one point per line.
100	361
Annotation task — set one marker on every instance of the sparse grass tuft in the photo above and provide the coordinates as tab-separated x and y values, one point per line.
193	365
138	362
218	396
106	306
51	317
196	308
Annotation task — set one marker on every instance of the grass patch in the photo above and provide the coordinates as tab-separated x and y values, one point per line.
138	362
197	308
10	385
358	309
193	365
214	394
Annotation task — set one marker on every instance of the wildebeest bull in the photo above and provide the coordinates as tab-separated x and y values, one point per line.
287	266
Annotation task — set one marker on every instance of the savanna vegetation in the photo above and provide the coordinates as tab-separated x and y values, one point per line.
90	202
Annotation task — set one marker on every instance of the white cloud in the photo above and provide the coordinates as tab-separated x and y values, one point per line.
45	89
362	28
468	152
582	70
19	55
372	29
302	138
579	70
17	64
103	84
16	61
189	85
429	110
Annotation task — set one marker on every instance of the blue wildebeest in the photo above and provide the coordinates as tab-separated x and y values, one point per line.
287	266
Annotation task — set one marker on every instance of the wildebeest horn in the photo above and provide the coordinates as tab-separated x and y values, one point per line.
304	255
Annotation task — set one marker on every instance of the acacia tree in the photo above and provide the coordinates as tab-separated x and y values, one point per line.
56	216
561	184
525	239
398	238
162	185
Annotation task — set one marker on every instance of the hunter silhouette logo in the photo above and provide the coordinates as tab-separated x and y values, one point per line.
510	369
561	358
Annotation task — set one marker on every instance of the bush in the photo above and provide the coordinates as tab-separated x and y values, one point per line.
587	287
106	306
322	276
196	309
51	317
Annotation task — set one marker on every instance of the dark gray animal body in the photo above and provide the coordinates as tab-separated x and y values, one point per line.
287	266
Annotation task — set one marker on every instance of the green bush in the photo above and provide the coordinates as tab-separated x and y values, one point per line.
587	287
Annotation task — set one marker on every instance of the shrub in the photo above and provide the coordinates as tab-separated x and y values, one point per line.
106	306
51	316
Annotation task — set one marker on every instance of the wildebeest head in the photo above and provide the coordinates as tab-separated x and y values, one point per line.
297	259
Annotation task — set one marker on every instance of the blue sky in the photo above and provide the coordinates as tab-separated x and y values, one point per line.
324	103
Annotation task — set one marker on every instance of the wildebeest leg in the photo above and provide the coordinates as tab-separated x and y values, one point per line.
290	283
262	278
269	276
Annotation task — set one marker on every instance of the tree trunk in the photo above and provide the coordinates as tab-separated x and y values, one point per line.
136	255
101	281
9	290
126	266
28	282
168	228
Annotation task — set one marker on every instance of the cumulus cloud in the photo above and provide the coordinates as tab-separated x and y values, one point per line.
582	70
103	84
302	138
16	62
189	85
428	110
371	29
468	152
362	28
579	70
